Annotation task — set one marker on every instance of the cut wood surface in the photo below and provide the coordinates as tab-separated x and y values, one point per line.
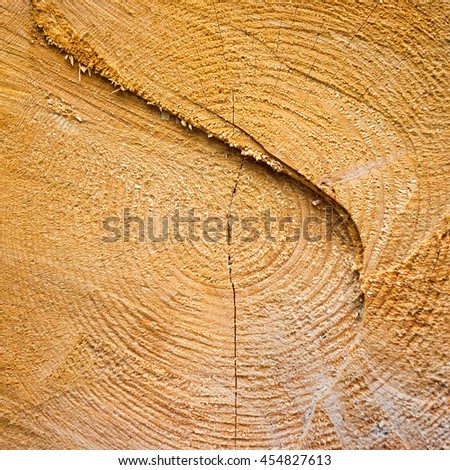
229	109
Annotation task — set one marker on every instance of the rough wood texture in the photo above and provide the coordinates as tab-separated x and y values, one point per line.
339	343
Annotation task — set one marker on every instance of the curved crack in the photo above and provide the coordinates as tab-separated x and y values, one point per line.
61	34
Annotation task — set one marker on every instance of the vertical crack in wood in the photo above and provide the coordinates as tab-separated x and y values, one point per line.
233	288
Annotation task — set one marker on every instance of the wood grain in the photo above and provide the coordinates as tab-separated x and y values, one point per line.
231	109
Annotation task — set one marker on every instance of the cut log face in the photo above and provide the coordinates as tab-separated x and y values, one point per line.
162	288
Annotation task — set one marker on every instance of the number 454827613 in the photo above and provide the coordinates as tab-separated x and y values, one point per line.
295	459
